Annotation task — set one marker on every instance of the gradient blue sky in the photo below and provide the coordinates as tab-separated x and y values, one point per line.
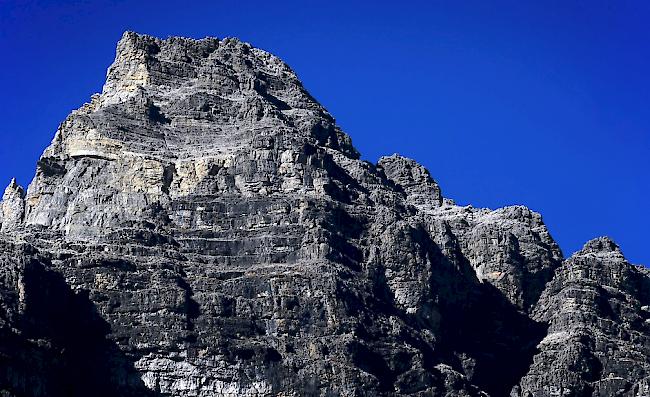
542	103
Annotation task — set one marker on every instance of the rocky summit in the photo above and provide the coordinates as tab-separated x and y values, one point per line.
204	228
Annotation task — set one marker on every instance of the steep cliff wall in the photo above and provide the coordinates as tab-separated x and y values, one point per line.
204	228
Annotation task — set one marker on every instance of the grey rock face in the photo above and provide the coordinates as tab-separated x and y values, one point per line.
13	206
413	179
598	341
204	228
52	340
509	248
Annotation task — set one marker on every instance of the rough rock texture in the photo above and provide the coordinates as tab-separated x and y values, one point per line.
598	342
13	206
509	248
204	228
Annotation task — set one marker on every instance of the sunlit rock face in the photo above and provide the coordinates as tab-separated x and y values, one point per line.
598	342
204	228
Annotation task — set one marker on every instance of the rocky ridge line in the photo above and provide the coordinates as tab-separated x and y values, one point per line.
204	228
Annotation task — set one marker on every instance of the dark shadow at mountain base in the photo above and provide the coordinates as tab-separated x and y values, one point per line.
58	343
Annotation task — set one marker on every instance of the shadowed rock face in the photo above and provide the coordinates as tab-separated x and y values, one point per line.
53	342
203	228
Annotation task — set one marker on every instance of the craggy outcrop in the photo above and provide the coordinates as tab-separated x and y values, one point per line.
598	342
204	228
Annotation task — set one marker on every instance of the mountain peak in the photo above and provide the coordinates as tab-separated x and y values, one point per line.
12	208
413	178
204	228
603	245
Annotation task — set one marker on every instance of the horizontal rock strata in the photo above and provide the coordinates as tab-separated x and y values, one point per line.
204	228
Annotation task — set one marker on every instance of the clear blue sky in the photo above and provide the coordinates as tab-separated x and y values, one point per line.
542	103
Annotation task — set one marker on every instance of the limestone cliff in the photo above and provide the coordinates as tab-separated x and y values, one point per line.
204	228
